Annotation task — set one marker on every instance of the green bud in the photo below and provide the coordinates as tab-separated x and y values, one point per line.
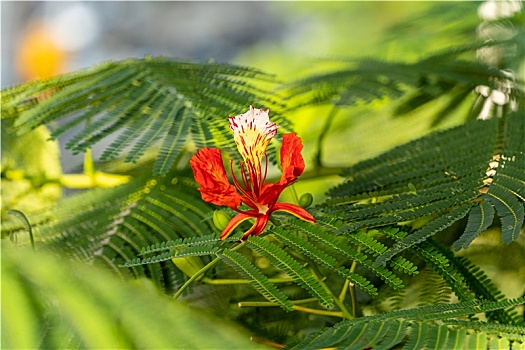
306	200
220	219
190	265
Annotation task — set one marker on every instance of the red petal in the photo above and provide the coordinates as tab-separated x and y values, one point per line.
292	161
236	221
258	227
270	194
294	210
209	172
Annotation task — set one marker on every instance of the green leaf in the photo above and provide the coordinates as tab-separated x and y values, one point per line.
154	101
111	226
55	303
259	281
510	211
416	327
322	258
480	218
294	269
340	246
422	234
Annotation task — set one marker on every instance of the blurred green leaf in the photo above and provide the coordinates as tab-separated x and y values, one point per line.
49	303
30	169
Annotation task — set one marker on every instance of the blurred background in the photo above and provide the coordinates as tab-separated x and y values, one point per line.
46	38
42	39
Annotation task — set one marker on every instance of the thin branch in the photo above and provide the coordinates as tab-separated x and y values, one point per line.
271	303
26	223
353	293
201	271
226	281
295	307
322	135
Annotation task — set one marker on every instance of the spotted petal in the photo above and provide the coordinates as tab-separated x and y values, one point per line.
252	132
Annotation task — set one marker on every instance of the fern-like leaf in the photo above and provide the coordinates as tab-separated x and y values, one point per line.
180	243
465	279
111	226
480	218
510	211
338	245
429	177
322	258
419	328
294	269
441	73
428	230
200	250
153	101
259	281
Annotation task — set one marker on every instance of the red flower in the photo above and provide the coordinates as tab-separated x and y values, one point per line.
252	132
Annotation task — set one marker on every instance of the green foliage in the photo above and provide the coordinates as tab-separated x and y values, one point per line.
256	278
444	73
318	255
47	304
111	226
153	101
385	231
430	327
285	262
437	182
479	219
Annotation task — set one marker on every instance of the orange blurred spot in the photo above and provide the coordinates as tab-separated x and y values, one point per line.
38	56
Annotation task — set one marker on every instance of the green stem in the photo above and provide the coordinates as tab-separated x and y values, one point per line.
271	303
353	294
315	271
294	194
344	311
322	136
295	307
342	295
341	305
319	312
226	281
89	165
26	223
201	271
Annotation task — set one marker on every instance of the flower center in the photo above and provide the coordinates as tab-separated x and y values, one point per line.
252	178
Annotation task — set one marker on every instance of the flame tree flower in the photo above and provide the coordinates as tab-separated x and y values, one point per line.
252	132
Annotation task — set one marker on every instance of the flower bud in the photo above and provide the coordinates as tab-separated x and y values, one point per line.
220	219
190	265
306	200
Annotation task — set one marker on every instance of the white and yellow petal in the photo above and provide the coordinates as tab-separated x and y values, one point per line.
253	132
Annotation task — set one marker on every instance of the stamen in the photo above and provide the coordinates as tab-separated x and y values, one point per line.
237	184
265	168
247	196
244	177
